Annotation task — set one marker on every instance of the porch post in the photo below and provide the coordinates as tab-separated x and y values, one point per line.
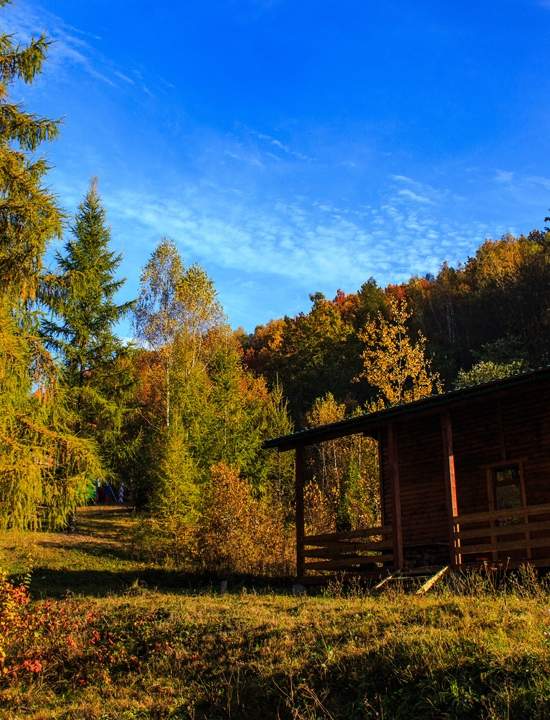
393	467
450	485
299	503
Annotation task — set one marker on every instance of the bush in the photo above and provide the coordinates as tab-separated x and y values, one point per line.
240	533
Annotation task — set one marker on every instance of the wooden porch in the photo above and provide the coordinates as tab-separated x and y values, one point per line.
366	551
504	538
464	481
508	538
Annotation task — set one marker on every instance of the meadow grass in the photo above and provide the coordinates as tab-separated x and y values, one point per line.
137	649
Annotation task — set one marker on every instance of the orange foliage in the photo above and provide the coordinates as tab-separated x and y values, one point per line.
239	533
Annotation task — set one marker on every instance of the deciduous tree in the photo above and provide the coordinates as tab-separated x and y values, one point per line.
393	362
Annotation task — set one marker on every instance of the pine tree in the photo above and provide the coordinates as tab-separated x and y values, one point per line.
44	470
81	298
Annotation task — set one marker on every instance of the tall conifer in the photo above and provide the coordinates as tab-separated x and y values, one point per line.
44	469
81	328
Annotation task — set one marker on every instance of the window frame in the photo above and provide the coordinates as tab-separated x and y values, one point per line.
492	486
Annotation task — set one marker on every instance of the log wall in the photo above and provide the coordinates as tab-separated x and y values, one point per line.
512	425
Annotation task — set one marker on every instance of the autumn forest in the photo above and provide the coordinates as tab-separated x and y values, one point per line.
173	422
152	548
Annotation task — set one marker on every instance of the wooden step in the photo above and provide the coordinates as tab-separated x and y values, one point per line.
430	575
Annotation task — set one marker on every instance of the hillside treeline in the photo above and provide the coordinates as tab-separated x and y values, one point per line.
174	422
482	320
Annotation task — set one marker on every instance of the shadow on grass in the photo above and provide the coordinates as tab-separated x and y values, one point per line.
48	582
94	549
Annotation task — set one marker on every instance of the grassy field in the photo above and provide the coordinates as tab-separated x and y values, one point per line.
108	637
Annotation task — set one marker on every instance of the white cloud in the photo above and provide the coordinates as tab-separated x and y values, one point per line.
403	179
415	197
307	244
504	176
71	47
279	145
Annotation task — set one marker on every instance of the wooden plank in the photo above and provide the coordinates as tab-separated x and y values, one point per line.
432	581
540	562
491	500
344	563
393	467
450	486
349	545
504	530
341	549
351	535
524	503
501	547
468	518
299	504
384	582
328	555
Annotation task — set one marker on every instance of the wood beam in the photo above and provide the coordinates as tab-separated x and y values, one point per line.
393	467
450	485
299	506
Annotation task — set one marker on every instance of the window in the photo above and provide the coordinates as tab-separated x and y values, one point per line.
507	487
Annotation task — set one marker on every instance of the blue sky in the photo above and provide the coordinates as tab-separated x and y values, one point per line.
290	146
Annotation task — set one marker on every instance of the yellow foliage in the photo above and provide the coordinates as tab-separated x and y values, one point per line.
344	487
393	363
239	533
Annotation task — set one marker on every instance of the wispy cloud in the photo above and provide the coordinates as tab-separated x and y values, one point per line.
279	145
528	190
310	244
411	195
71	47
24	21
504	176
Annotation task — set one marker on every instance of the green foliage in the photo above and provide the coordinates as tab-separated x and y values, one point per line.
316	352
496	307
486	371
80	328
343	491
177	490
44	469
29	217
500	295
199	403
175	311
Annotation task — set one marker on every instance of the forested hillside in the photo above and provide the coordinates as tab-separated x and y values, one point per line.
174	421
484	319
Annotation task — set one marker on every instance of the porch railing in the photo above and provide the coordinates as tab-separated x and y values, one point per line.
505	536
360	551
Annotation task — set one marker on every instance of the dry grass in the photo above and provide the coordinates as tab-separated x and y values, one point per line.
145	653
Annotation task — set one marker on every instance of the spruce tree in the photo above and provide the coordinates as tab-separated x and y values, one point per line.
44	469
81	328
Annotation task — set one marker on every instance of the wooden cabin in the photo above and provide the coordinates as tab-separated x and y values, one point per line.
464	479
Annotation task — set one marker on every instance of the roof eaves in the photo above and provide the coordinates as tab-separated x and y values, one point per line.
309	436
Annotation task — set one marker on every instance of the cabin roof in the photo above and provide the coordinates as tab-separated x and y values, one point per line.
372	422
